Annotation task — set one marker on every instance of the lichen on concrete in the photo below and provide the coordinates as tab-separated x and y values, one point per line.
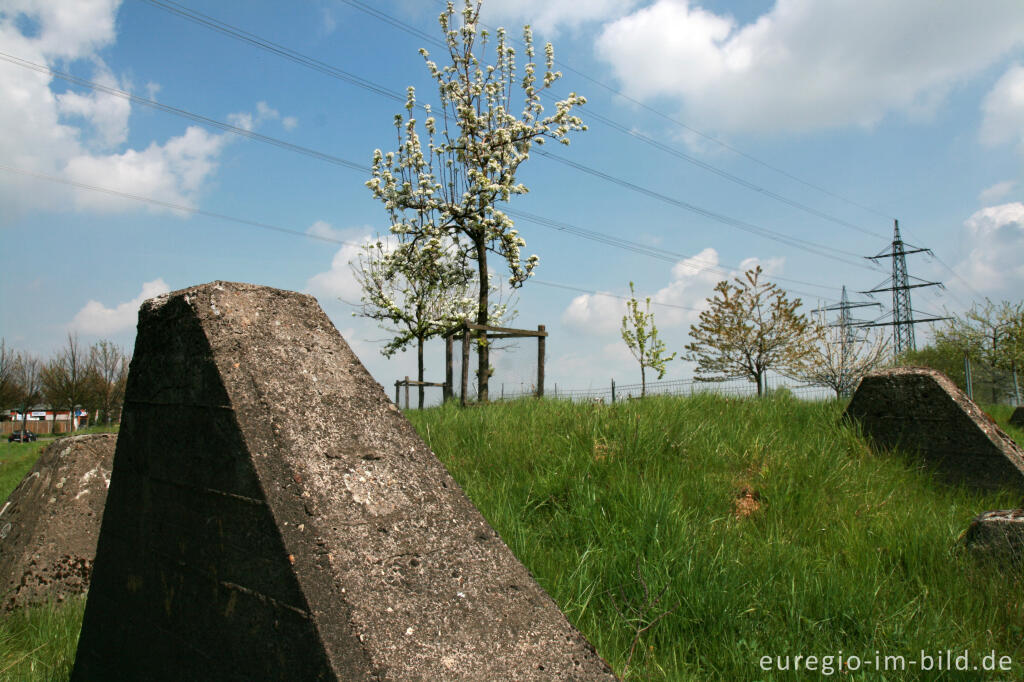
50	522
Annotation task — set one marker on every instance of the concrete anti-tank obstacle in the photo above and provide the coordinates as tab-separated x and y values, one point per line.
999	536
1017	418
50	522
921	410
272	515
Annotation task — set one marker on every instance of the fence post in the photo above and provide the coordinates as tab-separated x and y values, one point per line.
407	391
397	384
613	391
447	391
465	364
540	362
967	375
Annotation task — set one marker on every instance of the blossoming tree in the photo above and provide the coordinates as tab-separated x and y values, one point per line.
450	187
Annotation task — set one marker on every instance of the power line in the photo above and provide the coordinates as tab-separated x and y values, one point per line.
177	207
198	118
581	232
252	39
263	225
603	293
627	130
710	138
652	252
566	227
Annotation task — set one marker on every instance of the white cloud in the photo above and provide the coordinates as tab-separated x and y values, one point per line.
173	172
289	122
80	136
107	115
807	64
1003	109
595	313
548	16
95	318
338	282
692	281
996	191
994	263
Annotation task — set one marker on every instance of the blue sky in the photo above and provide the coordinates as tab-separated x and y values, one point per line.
858	112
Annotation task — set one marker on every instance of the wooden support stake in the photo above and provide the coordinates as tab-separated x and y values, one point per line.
407	392
465	364
397	384
447	391
613	391
541	337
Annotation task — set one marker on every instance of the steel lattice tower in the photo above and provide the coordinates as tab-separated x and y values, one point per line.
902	311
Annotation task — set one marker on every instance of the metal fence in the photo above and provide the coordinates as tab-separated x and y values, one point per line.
683	387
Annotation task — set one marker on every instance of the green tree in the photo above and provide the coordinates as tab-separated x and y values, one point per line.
416	290
989	334
641	336
452	187
944	356
750	327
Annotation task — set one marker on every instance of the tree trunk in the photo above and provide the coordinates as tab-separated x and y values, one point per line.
643	381
760	382
419	367
482	354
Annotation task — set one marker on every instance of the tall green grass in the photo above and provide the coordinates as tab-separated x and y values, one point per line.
611	507
39	643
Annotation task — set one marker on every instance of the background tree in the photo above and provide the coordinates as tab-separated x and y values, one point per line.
987	334
944	356
641	336
28	383
453	187
750	327
416	291
66	379
839	360
8	384
108	374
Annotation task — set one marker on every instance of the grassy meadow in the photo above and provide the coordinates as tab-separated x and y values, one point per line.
689	537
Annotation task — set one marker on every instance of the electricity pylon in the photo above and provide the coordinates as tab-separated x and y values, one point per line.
899	284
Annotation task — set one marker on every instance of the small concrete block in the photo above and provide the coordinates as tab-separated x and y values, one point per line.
50	523
921	410
998	535
273	516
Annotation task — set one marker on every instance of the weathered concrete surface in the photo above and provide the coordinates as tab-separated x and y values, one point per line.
998	535
50	523
1017	418
272	516
921	410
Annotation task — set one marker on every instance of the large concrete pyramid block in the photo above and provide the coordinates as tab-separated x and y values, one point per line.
272	515
50	522
921	410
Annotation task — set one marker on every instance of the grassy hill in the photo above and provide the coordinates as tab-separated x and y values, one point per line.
689	538
699	535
